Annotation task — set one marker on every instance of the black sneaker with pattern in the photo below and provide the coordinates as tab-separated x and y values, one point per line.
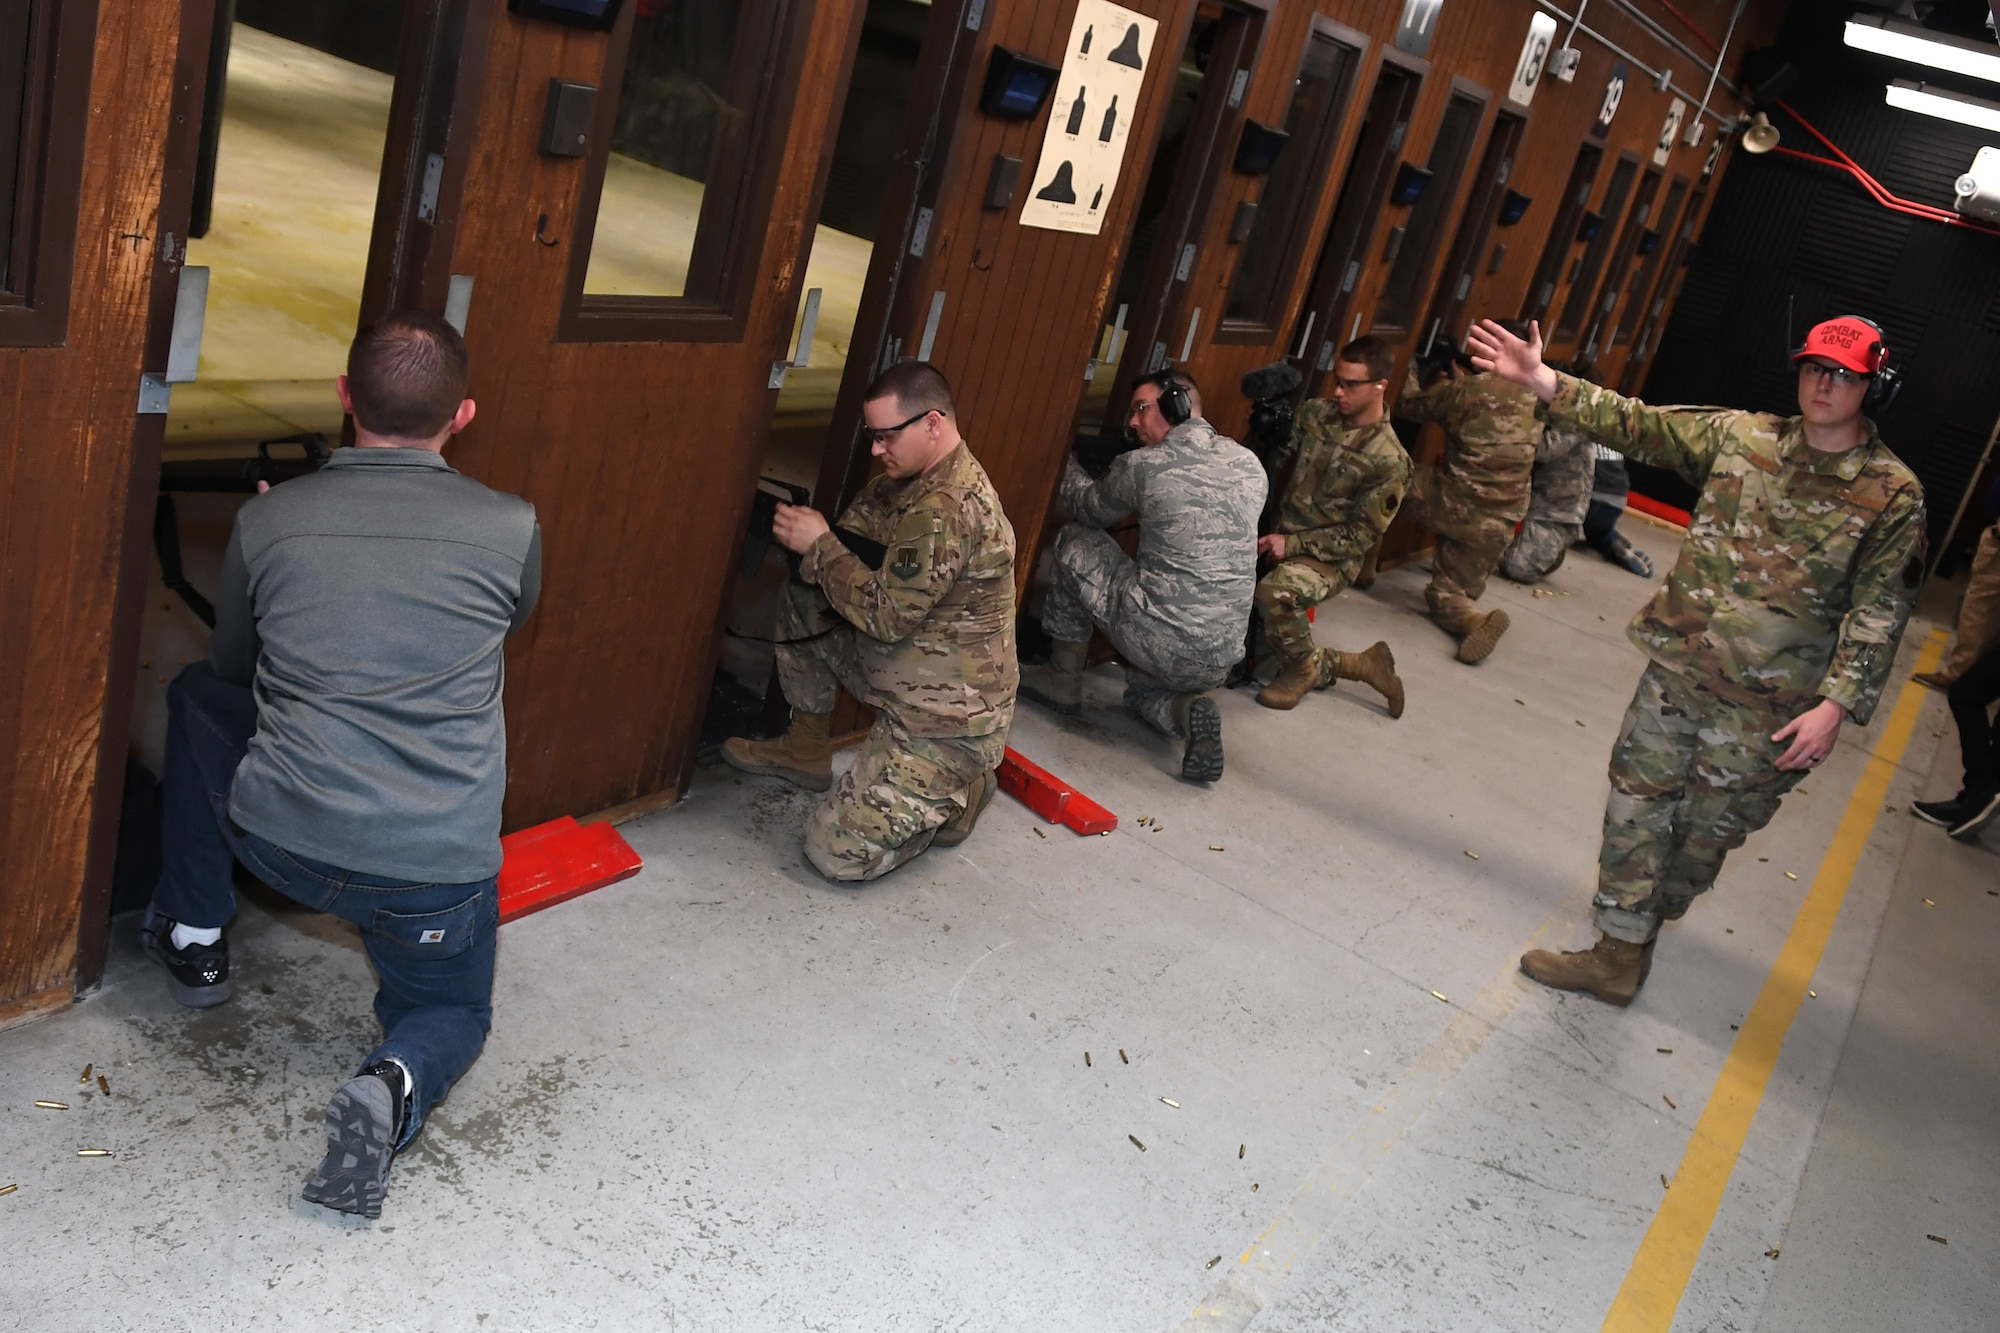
197	975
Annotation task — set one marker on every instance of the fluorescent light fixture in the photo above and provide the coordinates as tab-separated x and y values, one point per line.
1944	105
1906	41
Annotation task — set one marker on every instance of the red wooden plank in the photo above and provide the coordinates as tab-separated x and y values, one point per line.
1052	798
562	859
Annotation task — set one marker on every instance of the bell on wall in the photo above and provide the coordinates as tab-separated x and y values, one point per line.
1762	136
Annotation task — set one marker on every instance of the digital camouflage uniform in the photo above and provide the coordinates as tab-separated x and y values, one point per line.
1565	469
1178	614
1348	483
1480	490
928	643
1794	584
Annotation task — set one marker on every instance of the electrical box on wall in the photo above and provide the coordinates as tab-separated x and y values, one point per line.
566	119
1563	64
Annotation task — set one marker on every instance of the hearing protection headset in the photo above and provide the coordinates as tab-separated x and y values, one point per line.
1175	405
1835	340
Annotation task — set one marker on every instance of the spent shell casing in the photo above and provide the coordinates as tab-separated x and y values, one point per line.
1939	1239
1215	846
1812	994
1239	1150
1086	1059
1929	903
1135	1142
1790	875
1122	1057
1253	1187
1473	855
103	1085
84	1077
1041	835
1213	1262
1663	1181
53	1106
1669	1101
1664	1050
8	1189
1440	995
1171	1102
93	1152
1771	1253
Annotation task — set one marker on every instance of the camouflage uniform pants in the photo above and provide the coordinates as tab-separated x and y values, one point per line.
886	808
1283	597
1470	542
1692	776
1538	549
1089	589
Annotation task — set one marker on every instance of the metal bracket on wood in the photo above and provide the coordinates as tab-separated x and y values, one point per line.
802	351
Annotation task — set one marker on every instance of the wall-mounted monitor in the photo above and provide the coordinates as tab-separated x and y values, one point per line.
597	15
1410	182
1017	85
1257	151
1588	226
1513	206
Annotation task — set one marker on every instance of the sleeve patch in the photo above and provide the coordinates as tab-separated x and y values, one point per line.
905	562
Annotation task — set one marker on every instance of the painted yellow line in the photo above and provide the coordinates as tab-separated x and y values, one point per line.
1658	1278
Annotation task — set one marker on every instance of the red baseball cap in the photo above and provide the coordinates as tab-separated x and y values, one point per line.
1849	341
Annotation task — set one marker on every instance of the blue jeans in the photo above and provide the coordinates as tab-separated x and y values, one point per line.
431	944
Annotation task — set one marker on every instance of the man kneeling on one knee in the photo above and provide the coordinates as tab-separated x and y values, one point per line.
1349	474
1176	614
927	640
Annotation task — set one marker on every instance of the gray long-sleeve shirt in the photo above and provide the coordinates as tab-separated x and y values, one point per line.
1198	495
366	606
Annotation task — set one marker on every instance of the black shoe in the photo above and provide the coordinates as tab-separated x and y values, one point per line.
1976	811
198	976
363	1123
1942	813
1201	760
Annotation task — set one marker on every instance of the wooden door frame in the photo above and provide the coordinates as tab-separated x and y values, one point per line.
945	66
1461	89
1476	223
1619	263
1192	203
1329	297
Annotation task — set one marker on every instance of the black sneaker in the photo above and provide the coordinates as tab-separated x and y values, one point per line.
1942	813
198	976
364	1120
1976	812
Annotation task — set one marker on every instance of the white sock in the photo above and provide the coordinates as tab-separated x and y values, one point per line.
183	936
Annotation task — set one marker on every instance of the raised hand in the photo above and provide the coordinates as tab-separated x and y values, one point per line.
1494	349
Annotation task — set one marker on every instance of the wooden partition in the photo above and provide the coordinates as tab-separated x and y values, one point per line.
635	430
80	469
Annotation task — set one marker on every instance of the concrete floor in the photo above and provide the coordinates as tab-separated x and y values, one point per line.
726	1095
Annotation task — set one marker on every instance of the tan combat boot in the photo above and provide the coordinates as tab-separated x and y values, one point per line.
977	797
1376	669
1059	684
802	756
1612	970
1478	645
1295	682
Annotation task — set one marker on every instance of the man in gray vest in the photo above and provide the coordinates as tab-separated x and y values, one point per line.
1178	614
344	740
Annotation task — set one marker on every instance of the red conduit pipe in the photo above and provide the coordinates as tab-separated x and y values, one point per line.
1875	188
1697	30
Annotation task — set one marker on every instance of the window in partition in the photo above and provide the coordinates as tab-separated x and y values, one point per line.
1424	231
1577	306
1562	232
672	213
1277	241
44	92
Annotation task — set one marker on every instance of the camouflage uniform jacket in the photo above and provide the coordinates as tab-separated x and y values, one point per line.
1347	487
936	647
1198	495
1491	434
1565	470
1800	568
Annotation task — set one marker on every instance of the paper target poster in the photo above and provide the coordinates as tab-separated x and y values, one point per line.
1090	118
